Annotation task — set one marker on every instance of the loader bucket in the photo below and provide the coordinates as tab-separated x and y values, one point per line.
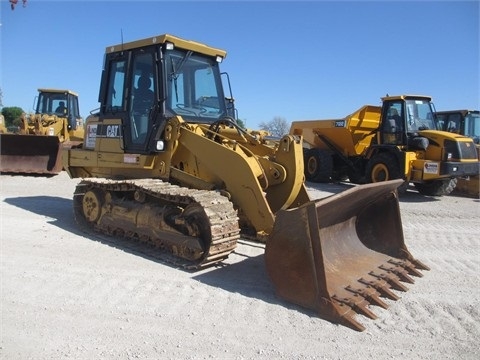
468	187
30	154
340	254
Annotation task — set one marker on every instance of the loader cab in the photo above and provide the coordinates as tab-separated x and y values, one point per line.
62	103
145	85
464	122
402	118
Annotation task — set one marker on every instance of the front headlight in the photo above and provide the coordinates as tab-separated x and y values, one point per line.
160	146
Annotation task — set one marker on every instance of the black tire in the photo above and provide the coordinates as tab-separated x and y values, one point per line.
356	177
383	167
318	165
436	187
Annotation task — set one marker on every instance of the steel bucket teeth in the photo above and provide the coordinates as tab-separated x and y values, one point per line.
400	272
357	303
370	294
382	287
419	265
340	254
391	279
409	266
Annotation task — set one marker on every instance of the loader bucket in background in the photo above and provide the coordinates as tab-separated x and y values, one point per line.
30	154
468	187
340	254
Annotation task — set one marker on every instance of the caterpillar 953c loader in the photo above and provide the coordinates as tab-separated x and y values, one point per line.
36	147
463	122
163	163
396	141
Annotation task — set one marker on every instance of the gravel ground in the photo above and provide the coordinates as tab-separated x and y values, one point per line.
67	294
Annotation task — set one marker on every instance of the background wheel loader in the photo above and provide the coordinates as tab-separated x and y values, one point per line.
395	141
163	163
3	127
36	147
463	122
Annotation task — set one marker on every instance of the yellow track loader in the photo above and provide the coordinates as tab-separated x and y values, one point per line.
463	122
36	147
398	140
163	162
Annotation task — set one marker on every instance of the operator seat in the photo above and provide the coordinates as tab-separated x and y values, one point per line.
143	99
142	104
394	120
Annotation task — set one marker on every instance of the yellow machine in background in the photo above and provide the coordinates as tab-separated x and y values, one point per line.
164	163
36	147
3	127
395	141
464	122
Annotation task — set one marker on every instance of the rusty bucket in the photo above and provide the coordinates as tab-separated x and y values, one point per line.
30	154
340	254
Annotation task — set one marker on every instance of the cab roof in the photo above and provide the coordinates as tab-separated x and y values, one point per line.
57	91
463	112
407	97
166	38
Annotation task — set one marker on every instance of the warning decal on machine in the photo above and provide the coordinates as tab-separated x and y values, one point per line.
430	168
91	136
131	158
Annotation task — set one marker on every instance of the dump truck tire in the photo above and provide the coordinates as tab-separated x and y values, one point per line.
318	165
384	167
437	187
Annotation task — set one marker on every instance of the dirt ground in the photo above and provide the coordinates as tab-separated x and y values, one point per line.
67	294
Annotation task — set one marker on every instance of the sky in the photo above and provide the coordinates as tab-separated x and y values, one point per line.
298	60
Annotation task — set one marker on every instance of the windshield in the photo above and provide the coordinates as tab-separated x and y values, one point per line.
472	126
52	103
194	89
419	115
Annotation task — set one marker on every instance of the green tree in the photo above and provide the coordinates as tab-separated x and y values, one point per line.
278	126
241	123
12	115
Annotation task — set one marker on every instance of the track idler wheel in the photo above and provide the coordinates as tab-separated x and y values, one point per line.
92	205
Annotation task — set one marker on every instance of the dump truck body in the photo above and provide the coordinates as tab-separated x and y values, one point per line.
163	162
36	147
396	141
463	122
353	134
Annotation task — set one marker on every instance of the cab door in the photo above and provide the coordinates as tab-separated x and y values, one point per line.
142	101
128	94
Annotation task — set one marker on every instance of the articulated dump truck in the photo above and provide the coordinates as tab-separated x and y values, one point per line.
163	163
36	147
398	140
463	122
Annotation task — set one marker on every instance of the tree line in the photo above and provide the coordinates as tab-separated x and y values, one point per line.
11	114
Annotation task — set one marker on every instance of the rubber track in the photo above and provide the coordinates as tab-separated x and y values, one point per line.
223	217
